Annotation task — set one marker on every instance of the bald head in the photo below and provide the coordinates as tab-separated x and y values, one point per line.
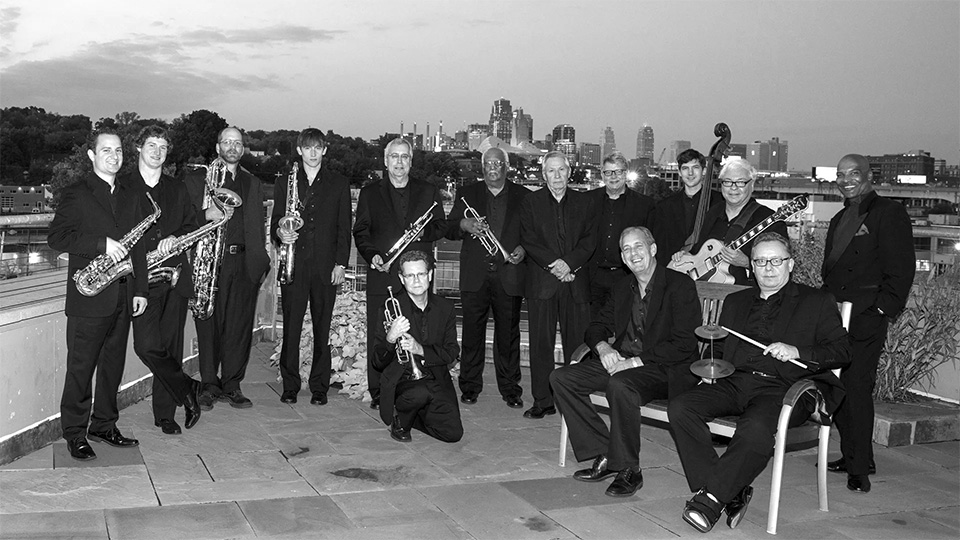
854	177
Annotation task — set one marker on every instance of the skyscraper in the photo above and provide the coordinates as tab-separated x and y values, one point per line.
607	142
564	132
768	155
522	128
590	154
674	149
501	119
645	142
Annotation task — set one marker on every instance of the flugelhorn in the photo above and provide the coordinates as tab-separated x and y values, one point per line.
486	237
290	222
391	312
409	236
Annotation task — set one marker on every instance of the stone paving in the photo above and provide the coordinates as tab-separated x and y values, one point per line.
306	472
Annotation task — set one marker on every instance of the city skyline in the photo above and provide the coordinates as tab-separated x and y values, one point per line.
829	77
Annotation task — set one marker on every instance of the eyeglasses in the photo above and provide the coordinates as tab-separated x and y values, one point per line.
775	261
618	173
739	183
232	143
492	163
399	157
420	276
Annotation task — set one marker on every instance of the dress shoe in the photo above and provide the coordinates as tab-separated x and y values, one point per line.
539	412
375	403
598	471
288	397
859	483
113	438
170	427
319	398
236	399
398	433
737	508
702	512
840	465
191	407
514	402
80	449
469	398
206	400
627	482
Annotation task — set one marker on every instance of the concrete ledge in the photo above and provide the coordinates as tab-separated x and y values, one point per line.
926	421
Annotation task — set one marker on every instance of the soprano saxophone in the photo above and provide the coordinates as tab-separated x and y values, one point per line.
208	255
103	271
290	222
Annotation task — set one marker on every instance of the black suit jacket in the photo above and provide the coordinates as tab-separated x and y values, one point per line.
636	213
538	236
440	350
83	221
716	218
669	226
673	314
378	227
255	239
473	267
810	321
325	236
877	267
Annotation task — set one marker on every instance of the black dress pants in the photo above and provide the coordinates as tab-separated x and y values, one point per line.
317	289
374	316
506	337
430	406
94	344
151	345
543	317
172	323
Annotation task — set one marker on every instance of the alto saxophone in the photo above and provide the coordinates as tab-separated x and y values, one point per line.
102	271
391	312
222	198
290	222
208	254
409	236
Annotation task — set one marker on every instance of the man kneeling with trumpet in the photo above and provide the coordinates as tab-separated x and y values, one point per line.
414	349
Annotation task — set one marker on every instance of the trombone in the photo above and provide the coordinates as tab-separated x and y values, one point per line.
487	238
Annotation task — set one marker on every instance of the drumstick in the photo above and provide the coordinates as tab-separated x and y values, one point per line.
761	345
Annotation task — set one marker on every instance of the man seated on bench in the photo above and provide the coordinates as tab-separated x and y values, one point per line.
795	323
652	314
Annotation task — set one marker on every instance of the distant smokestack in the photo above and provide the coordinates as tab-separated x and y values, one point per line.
401	128
414	130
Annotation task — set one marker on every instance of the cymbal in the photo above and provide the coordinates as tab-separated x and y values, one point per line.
710	368
711	331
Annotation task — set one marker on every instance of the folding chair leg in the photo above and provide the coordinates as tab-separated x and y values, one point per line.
822	466
779	449
564	435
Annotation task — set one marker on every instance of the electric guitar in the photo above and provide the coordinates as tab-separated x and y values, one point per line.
706	264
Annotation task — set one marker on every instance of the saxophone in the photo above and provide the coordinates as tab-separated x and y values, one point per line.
290	222
208	255
222	198
102	271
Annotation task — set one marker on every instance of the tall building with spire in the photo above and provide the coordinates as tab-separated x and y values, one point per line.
645	142
501	119
607	142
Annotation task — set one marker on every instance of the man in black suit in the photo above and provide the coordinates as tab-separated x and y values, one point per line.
652	315
799	324
415	351
224	339
158	333
619	207
490	281
558	231
868	260
92	217
674	217
322	250
385	210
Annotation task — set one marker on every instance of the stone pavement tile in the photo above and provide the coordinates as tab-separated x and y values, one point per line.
320	420
667	514
206	491
397	506
490	511
38	459
511	419
368	441
75	489
608	522
84	525
176	468
370	471
938	454
511	441
270	465
427	530
195	521
948	516
107	456
300	517
798	470
468	465
799	505
300	445
918	492
897	461
654	454
216	432
894	526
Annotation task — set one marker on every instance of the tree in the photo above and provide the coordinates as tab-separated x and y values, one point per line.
195	136
68	171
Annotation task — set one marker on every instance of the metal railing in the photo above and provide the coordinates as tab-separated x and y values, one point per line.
23	246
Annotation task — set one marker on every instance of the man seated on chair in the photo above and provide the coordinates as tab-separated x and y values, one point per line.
651	314
417	390
796	323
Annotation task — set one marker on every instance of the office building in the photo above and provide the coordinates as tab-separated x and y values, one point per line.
768	155
645	142
564	132
501	119
590	154
608	143
674	149
522	128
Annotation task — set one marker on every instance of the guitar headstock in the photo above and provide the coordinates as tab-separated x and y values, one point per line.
795	205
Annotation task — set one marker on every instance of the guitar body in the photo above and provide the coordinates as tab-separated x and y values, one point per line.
702	266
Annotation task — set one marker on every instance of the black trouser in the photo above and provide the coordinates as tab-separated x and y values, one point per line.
626	390
171	330
602	280
374	316
430	406
543	316
506	337
854	418
307	285
224	339
151	345
757	401
94	343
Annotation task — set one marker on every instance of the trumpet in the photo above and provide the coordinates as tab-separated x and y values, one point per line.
487	238
409	236
391	312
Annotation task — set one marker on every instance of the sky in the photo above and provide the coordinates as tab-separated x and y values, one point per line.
830	77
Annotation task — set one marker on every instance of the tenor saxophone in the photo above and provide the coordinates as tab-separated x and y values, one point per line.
102	271
290	222
208	255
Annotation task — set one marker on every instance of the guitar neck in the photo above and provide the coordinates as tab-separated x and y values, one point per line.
749	235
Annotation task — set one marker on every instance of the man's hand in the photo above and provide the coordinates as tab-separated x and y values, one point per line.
166	245
734	257
679	255
609	357
568	278
139	305
377	264
399	326
517	256
286	236
560	269
337	275
472	226
115	250
782	351
407	343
